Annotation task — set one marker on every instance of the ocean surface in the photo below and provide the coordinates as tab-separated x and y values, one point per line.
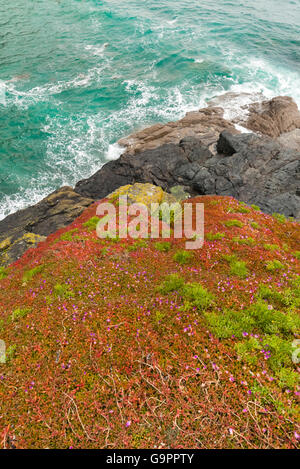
77	75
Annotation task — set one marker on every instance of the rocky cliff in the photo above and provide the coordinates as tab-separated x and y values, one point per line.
203	152
256	170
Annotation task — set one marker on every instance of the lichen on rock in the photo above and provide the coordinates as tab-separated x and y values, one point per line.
140	193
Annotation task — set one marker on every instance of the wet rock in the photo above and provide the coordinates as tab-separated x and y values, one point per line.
205	124
274	117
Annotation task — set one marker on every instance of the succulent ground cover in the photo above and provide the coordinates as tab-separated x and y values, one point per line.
141	344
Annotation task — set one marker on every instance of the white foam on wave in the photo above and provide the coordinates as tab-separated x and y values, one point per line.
264	82
271	81
114	151
97	50
2	93
236	101
242	129
174	21
24	99
22	199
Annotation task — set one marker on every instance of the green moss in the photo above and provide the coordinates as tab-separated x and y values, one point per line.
244	241
68	235
260	317
296	254
245	350
288	298
233	222
239	268
275	265
10	353
279	217
230	323
266	397
29	274
214	202
276	329
92	223
159	316
19	313
278	352
3	273
198	296
254	225
288	378
271	247
243	210
114	239
229	257
172	282
139	244
169	216
215	236
266	293
183	257
63	291
281	350
272	321
163	246
255	207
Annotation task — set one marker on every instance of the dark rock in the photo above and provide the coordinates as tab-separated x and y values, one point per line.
225	145
256	170
26	228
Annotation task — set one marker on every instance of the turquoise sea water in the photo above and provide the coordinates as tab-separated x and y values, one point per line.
76	75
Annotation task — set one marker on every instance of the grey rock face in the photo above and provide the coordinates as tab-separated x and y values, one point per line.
256	170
